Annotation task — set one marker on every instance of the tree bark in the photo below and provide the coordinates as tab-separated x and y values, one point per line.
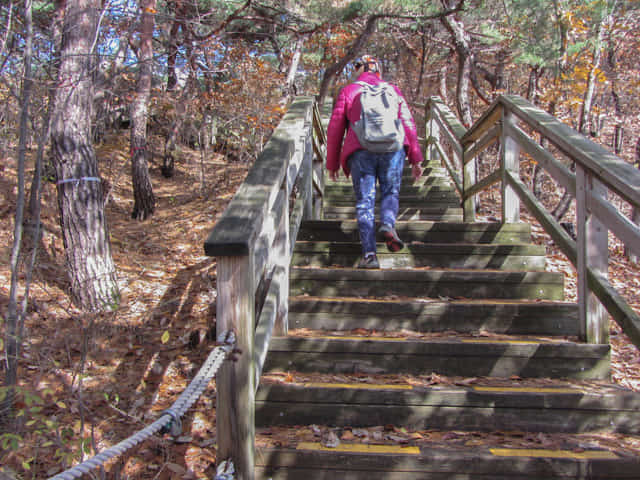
290	88
442	84
333	70
587	104
465	59
34	192
585	111
144	199
533	97
172	76
423	62
564	203
168	159
80	197
14	317
618	132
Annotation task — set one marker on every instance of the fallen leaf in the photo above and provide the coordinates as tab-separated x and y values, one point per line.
347	435
175	468
330	440
397	438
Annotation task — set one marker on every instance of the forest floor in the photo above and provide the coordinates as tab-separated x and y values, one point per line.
100	378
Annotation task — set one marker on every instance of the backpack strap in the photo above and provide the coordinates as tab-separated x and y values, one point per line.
365	84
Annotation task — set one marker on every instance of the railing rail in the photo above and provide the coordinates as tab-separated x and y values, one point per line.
597	172
253	242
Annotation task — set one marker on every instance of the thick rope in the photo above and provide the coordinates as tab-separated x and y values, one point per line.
225	471
170	418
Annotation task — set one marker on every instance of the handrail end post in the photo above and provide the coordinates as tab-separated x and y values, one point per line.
235	384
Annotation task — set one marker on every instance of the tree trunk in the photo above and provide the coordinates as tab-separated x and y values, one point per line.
533	97
462	89
618	132
14	317
465	58
563	31
80	199
533	92
500	81
442	84
618	138
423	64
333	70
585	112
587	104
172	76
564	203
56	31
144	199
168	159
290	87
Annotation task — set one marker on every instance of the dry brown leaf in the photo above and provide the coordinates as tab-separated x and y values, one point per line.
347	436
329	439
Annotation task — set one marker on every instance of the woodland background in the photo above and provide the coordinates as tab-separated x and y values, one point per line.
178	100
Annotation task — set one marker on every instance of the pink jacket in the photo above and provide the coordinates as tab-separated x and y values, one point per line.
347	110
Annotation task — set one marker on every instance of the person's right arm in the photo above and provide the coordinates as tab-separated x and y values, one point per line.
335	134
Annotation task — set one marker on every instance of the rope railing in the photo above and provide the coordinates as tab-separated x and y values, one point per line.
169	420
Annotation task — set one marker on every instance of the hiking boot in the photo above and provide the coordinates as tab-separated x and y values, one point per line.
369	261
391	238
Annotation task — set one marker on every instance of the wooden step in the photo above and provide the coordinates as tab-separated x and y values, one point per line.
422	231
426	164
333	189
452	356
406	198
455	284
406	180
444	213
549	406
439	255
508	317
438	172
358	461
406	203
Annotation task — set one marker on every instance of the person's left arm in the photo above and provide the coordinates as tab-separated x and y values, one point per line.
414	151
411	132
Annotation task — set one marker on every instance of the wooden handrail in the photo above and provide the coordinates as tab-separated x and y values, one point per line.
597	171
253	242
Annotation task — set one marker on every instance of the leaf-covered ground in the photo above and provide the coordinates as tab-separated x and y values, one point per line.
103	377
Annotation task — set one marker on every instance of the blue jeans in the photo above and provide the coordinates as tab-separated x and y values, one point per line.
366	168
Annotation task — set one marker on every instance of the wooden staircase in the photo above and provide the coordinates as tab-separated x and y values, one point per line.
458	359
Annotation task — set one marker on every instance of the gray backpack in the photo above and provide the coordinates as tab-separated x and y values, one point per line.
379	129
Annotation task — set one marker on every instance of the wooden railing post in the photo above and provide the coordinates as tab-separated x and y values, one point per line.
307	165
510	162
593	254
282	254
235	382
317	176
635	218
433	135
468	181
